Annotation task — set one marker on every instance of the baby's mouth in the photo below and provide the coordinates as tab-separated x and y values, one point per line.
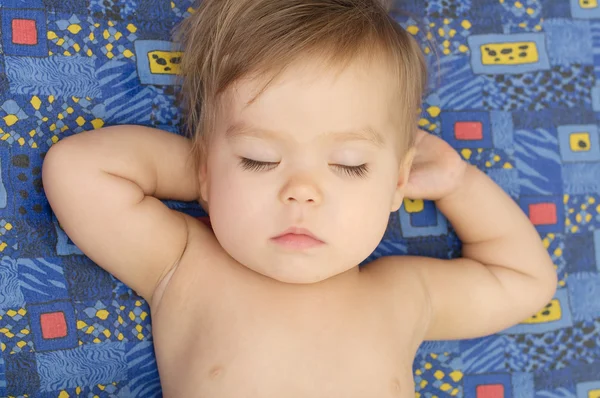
298	239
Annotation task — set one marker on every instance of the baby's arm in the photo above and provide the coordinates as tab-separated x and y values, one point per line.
505	274
104	187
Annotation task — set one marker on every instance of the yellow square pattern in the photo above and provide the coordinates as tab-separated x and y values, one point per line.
164	62
552	312
517	53
594	393
579	142
588	3
414	206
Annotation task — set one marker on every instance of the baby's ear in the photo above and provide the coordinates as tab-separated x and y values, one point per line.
403	175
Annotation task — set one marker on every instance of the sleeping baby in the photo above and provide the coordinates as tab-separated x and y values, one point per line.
303	138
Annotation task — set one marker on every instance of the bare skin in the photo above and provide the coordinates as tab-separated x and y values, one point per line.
246	335
237	314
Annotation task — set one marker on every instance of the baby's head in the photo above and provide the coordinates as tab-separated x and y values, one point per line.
303	115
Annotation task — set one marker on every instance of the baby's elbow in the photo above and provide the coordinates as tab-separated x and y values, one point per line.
55	158
552	283
58	166
547	282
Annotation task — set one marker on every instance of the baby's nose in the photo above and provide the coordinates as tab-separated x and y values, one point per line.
302	190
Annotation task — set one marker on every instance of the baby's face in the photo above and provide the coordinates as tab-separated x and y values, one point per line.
316	153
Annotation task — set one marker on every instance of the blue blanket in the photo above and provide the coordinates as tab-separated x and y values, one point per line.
513	89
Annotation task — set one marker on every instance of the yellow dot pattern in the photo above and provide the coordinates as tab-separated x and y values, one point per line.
526	15
582	213
445	37
113	322
15	332
106	39
434	377
54	118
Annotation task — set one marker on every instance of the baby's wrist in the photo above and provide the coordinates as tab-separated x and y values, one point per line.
463	179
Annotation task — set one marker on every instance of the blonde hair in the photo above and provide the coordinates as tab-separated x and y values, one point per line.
226	40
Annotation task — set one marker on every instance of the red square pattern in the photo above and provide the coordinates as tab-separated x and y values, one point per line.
490	391
24	31
468	131
543	214
54	325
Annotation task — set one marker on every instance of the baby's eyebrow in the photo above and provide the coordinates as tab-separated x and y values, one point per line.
368	134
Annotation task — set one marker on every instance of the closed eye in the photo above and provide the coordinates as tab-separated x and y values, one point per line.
360	171
255	165
353	171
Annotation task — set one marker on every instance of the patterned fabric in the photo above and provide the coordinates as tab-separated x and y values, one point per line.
513	89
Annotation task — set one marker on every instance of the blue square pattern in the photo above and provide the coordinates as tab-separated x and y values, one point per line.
427	217
142	48
584	389
507	179
583	289
568	155
579	253
581	178
563	47
449	120
37	50
478	42
579	12
414	225
559	227
41	344
555	9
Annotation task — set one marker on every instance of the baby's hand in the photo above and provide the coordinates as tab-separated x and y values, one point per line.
437	169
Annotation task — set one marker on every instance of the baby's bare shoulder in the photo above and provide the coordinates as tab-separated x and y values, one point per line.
391	273
401	292
196	273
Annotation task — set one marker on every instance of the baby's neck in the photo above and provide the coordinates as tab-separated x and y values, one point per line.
338	288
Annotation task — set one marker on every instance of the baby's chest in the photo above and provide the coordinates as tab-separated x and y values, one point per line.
256	352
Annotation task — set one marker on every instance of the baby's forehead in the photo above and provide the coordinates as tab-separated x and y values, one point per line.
362	71
307	83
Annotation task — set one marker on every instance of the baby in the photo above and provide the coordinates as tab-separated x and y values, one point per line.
302	116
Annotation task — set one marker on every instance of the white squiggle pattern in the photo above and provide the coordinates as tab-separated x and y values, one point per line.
85	365
52	76
10	292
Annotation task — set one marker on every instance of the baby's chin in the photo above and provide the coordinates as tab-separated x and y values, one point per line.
298	275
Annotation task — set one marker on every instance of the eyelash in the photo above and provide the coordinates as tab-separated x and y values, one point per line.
351	171
255	165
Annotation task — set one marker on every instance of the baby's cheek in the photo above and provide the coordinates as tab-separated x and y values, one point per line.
374	212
